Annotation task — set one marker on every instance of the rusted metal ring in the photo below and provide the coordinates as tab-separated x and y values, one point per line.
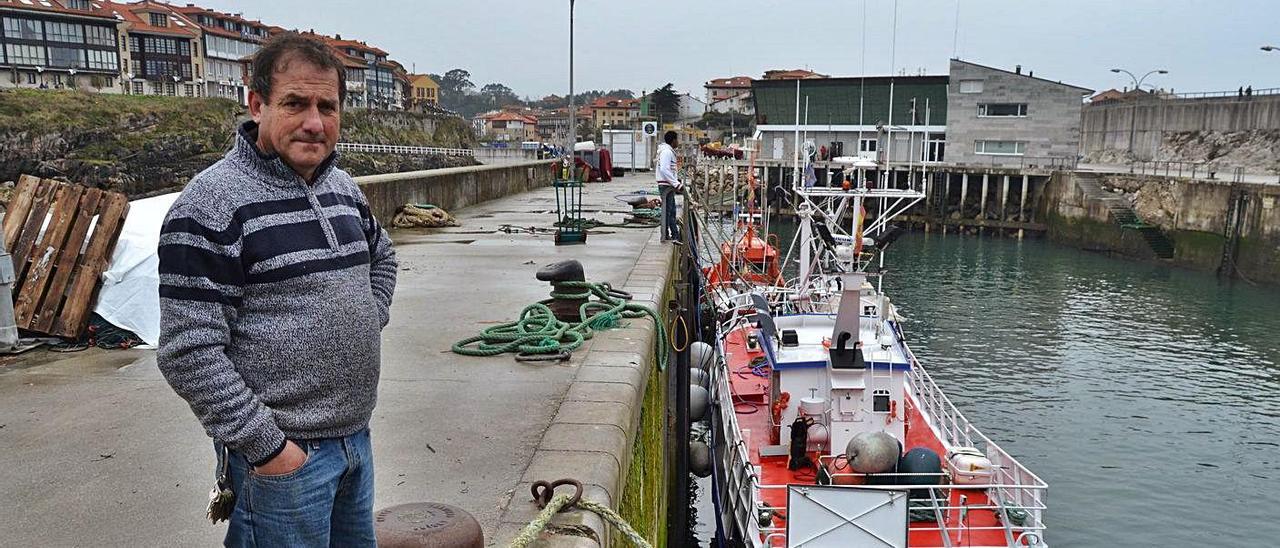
543	492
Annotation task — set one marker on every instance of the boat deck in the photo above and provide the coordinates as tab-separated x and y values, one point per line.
966	521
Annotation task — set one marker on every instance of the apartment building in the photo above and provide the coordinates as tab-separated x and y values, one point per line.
227	39
162	54
59	44
611	112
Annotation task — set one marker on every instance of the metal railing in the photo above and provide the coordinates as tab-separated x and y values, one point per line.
1012	482
1172	168
1227	93
1055	163
400	149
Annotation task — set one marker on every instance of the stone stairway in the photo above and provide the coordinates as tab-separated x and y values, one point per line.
1123	215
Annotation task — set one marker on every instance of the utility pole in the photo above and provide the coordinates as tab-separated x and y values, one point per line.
573	127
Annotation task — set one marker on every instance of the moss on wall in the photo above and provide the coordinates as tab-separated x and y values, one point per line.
644	499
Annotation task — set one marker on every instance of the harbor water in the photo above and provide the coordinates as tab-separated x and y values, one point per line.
1148	397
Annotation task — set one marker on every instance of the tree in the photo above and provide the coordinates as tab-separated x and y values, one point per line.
498	95
666	103
454	86
621	94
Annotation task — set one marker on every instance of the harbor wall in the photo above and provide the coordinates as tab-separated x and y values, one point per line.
610	430
451	188
1230	131
1192	213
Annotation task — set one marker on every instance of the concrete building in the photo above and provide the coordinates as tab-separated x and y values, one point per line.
382	89
729	94
510	127
164	56
554	126
424	90
611	112
60	44
1005	117
227	38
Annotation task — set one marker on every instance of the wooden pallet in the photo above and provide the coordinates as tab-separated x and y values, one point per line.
58	272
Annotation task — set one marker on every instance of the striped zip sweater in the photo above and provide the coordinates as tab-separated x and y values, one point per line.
273	295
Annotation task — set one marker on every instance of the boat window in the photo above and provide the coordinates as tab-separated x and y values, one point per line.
880	401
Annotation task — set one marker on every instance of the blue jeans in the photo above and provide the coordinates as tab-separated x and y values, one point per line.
326	502
670	230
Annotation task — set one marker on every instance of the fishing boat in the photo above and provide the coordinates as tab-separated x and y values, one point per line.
826	429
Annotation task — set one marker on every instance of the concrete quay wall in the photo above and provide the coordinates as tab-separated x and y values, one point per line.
610	429
452	188
1111	126
1193	213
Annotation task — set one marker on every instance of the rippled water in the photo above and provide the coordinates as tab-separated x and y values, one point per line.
1147	397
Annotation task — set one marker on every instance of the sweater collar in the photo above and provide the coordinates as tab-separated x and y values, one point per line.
247	152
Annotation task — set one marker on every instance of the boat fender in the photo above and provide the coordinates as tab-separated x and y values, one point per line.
698	377
698	398
701	355
873	452
920	460
699	458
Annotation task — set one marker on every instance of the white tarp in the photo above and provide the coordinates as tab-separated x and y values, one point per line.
130	294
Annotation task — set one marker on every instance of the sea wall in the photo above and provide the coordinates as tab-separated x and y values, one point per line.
451	188
1228	131
1193	214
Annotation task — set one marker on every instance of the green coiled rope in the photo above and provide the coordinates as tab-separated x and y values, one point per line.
538	332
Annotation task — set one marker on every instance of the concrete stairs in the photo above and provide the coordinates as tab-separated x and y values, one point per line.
1123	215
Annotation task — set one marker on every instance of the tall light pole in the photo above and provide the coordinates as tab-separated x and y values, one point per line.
1137	86
1269	48
573	123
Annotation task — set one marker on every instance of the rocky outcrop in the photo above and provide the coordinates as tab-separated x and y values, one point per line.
143	146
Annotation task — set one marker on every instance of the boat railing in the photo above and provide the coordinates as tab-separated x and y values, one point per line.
1012	484
741	477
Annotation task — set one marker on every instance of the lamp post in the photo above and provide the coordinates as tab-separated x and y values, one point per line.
573	128
1137	86
1269	48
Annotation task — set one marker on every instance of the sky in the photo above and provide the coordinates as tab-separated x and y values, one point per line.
643	44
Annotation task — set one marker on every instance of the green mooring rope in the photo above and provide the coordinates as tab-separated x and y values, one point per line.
538	331
531	531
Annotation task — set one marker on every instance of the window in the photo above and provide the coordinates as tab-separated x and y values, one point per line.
64	32
110	82
137	88
25	29
102	60
159	20
78	4
99	36
1002	109
868	145
136	67
157	88
23	54
1000	148
880	401
135	45
971	86
171	89
31	78
188	90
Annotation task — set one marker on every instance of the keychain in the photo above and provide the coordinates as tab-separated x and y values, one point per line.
222	500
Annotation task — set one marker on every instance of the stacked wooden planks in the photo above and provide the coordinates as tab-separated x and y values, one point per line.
61	237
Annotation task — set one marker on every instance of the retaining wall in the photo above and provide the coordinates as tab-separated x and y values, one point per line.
1191	212
451	188
1110	126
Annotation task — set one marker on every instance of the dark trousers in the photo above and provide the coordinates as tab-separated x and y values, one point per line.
670	229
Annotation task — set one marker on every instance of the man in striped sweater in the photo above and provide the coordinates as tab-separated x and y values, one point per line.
275	284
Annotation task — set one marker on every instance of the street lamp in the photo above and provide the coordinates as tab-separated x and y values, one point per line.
1269	48
1137	82
1137	86
573	128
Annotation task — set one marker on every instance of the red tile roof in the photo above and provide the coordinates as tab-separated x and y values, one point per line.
734	82
612	102
796	74
192	12
511	117
137	17
96	9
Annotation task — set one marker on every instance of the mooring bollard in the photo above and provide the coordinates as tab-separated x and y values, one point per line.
565	309
427	524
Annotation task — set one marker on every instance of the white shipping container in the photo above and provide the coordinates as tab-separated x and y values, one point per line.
630	149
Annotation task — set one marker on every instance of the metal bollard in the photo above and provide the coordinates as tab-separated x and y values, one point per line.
426	524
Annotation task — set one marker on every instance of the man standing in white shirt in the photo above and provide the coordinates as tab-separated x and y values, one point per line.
668	185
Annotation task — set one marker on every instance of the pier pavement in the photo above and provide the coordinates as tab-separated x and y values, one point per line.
98	450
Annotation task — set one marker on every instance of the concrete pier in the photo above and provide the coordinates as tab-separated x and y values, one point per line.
98	450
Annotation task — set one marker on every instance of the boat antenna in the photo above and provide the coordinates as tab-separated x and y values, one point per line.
955	37
862	80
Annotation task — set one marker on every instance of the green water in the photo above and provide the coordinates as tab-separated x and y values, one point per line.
1147	397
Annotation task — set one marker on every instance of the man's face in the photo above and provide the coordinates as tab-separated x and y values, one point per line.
301	120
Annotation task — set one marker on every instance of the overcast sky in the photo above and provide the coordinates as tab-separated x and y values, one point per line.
642	44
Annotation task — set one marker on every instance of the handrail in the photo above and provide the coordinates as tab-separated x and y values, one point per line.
401	149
